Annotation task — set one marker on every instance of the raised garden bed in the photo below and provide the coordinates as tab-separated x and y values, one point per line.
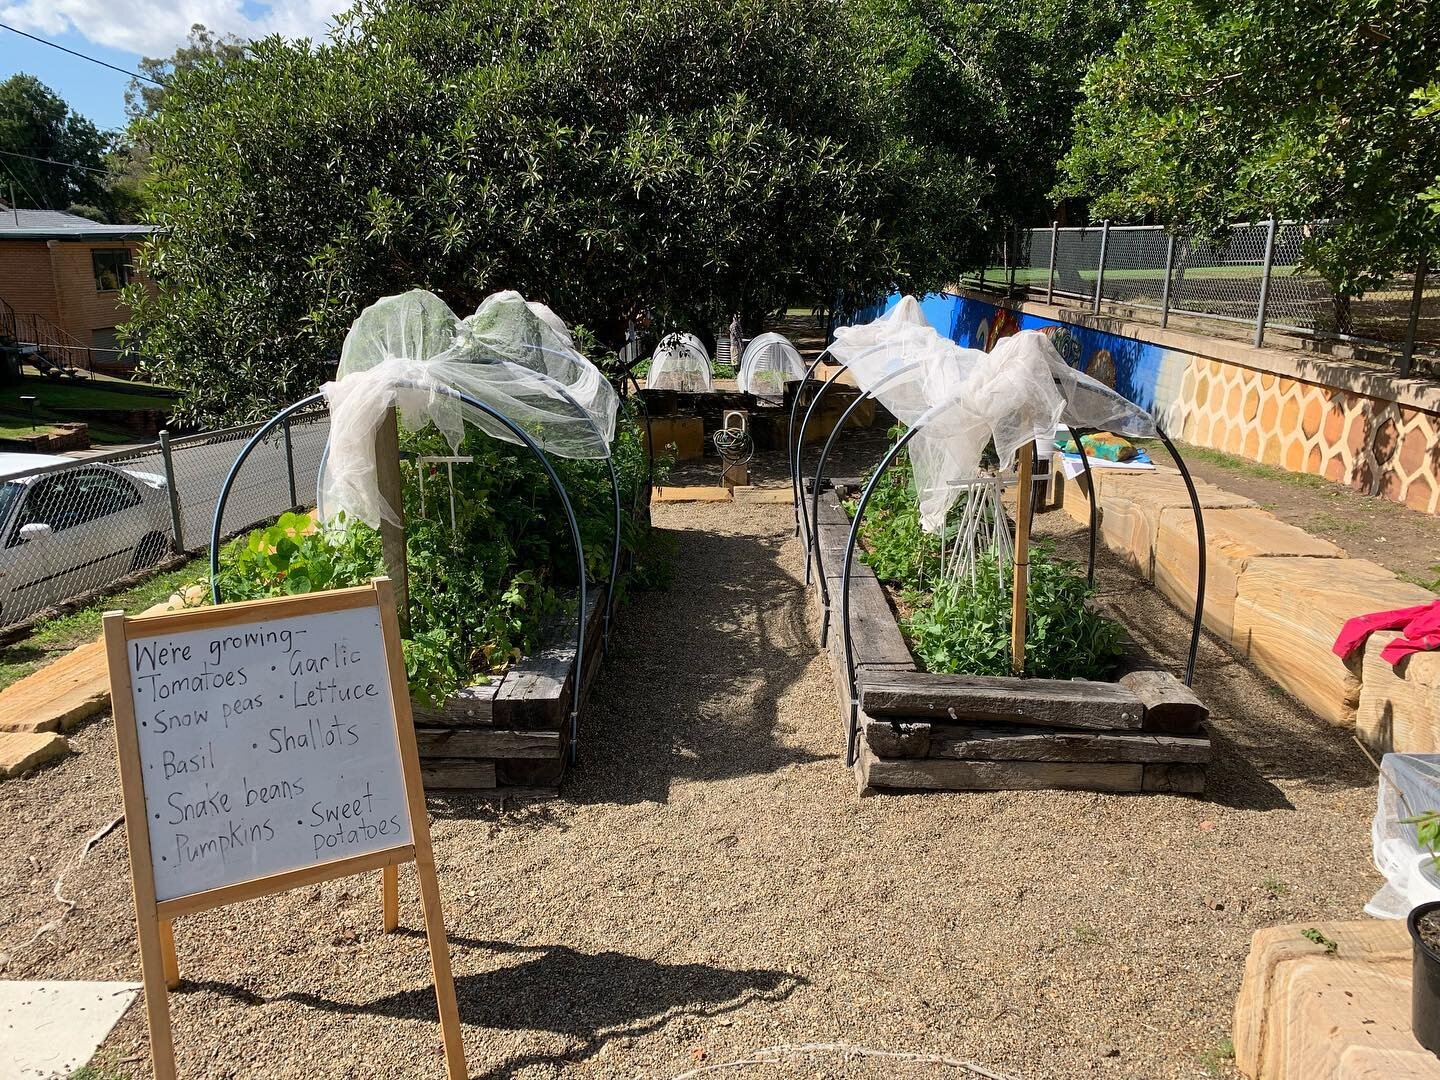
924	731
512	734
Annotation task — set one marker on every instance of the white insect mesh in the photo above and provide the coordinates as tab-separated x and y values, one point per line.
963	399
516	357
770	361
680	362
1409	787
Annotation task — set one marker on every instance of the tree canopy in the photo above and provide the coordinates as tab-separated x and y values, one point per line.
599	155
36	123
995	83
143	96
1216	111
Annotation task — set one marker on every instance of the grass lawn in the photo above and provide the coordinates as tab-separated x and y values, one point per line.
1238	465
57	400
54	636
59	396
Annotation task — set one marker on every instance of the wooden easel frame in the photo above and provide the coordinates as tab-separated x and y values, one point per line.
155	918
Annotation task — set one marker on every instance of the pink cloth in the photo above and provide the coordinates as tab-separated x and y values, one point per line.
1419	627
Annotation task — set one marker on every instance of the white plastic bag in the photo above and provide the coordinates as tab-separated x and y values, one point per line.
1409	786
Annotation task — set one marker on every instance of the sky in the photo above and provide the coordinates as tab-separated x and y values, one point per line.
120	33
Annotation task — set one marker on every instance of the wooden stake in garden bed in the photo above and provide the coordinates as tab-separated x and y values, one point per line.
392	535
1021	584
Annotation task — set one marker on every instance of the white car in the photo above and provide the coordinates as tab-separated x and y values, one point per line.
71	531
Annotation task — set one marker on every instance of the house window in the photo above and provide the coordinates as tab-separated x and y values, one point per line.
112	269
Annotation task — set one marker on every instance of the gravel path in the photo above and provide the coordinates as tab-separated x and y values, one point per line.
712	885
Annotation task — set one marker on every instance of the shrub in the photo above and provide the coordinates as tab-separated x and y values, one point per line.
964	628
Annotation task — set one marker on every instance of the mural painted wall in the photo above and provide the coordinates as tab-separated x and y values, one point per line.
1373	445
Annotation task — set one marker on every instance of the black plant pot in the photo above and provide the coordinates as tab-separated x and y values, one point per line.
1425	986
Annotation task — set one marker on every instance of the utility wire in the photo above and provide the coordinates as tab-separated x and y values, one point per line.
23	188
52	161
82	56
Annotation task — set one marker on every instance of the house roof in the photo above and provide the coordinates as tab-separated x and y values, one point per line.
57	225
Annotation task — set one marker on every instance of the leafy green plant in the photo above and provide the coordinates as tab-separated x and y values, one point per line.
295	555
484	587
1219	1059
965	628
896	548
1427	832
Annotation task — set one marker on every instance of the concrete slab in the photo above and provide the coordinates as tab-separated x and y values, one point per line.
50	1029
59	695
22	751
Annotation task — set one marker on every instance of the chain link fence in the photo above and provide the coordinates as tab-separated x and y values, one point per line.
77	529
1251	278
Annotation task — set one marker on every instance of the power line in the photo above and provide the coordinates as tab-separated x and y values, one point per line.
82	56
52	161
23	188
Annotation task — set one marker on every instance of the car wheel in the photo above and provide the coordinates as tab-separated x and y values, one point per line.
150	551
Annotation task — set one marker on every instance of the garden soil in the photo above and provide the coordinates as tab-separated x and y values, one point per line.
711	885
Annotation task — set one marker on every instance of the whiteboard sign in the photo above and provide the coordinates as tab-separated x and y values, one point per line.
265	746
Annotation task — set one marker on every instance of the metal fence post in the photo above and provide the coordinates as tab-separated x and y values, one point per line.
1169	272
1407	355
177	526
1100	272
1050	280
290	465
1265	285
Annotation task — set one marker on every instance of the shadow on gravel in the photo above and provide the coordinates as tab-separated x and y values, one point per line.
1259	734
588	997
693	683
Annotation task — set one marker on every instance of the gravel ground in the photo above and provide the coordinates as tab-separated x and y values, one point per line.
711	884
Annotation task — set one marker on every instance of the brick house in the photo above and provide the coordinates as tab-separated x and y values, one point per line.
60	281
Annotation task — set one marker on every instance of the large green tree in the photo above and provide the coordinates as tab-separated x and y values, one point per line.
1216	111
597	154
997	83
36	123
202	45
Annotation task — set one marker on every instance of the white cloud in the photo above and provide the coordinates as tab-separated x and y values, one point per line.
156	27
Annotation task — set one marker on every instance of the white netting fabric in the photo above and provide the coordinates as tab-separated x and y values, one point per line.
406	350
962	399
770	361
1409	787
680	362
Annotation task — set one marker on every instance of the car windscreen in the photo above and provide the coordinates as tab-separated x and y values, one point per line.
10	493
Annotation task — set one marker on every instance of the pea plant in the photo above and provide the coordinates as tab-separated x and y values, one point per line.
963	626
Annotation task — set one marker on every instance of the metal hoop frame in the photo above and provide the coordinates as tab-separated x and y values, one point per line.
515	430
807	526
796	487
815	495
